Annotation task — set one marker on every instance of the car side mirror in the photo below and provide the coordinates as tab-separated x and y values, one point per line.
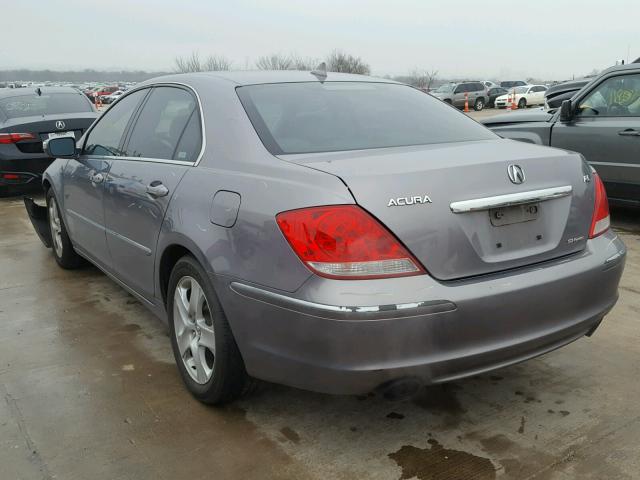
61	147
566	111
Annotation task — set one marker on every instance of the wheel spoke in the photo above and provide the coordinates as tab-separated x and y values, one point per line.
182	305
207	337
198	361
195	301
184	340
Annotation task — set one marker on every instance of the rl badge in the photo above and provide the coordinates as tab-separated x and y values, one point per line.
403	201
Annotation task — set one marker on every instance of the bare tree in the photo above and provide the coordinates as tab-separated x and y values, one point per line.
216	63
432	76
192	63
274	61
418	78
339	61
303	63
188	63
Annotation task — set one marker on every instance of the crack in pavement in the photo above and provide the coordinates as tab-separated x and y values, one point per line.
16	413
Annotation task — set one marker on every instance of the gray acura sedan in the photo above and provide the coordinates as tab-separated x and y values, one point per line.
336	233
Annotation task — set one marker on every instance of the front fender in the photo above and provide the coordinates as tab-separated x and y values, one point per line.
39	220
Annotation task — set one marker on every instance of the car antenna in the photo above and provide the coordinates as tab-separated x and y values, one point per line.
38	91
320	72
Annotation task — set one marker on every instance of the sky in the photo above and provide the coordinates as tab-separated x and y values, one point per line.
543	39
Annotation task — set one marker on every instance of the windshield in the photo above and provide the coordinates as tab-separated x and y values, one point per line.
45	104
333	116
521	89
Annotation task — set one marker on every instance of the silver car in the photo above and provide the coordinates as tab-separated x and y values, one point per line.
476	94
336	233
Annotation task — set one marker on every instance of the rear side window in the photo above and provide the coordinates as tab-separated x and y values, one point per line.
333	116
45	104
105	138
161	125
191	142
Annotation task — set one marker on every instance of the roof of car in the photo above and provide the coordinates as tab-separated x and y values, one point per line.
20	92
253	77
617	68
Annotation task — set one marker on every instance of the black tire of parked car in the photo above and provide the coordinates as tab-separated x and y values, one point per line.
522	103
479	104
69	260
229	380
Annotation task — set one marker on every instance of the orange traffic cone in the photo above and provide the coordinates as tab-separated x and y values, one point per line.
509	103
514	105
466	102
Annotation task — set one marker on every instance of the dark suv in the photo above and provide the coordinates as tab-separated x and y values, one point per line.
601	121
454	94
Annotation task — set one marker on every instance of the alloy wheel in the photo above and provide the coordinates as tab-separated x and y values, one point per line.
56	227
193	327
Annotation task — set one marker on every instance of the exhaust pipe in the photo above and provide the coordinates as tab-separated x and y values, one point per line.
400	388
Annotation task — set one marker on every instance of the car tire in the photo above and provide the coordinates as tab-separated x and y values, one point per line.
522	103
203	345
61	245
479	104
448	101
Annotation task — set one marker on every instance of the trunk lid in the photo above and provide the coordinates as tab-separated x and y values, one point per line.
411	190
43	125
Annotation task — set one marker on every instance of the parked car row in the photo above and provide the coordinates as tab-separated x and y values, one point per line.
488	94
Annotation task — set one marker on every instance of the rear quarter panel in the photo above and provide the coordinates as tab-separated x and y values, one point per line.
253	249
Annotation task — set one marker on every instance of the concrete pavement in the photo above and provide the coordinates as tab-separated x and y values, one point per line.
89	390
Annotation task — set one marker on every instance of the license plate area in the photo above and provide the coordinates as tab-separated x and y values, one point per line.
71	134
500	217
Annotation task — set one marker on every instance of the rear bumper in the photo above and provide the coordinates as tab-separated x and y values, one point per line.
349	337
27	170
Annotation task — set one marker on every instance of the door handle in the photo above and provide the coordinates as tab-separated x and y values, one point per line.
629	132
157	189
96	177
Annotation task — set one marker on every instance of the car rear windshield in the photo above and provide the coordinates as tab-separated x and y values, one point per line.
45	104
336	116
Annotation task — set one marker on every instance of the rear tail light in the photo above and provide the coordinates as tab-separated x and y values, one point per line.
6	138
600	221
345	242
10	176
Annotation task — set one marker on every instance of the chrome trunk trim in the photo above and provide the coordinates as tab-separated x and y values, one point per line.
532	196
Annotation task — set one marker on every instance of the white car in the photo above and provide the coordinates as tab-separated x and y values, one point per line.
524	96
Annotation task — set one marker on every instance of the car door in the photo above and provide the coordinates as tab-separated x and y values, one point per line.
606	130
477	90
163	143
458	93
536	96
83	179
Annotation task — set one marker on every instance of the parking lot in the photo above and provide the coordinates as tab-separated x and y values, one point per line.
90	390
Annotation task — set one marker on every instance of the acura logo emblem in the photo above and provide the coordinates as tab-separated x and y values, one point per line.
516	174
60	125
